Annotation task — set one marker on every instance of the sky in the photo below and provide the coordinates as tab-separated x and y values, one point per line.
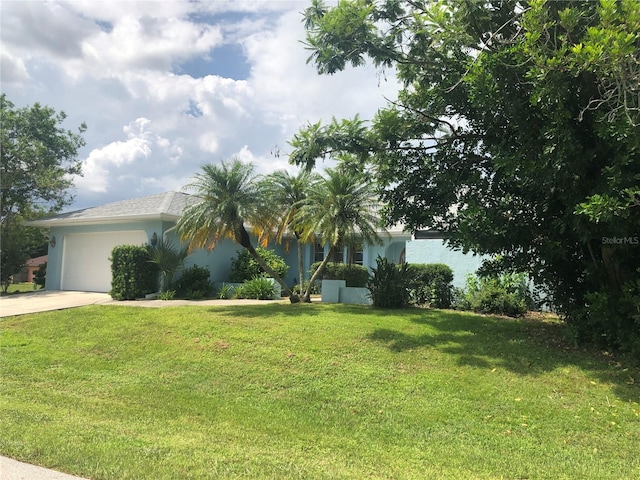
167	86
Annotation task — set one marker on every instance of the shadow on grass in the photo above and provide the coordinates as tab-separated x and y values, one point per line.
522	346
268	310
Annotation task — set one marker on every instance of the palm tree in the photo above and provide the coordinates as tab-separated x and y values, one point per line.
286	193
231	196
342	209
169	260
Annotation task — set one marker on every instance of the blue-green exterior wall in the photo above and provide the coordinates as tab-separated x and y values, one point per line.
435	251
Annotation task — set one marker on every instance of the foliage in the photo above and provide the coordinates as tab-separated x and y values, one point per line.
168	259
354	275
38	163
285	193
388	284
505	294
167	295
515	133
244	267
430	284
131	275
40	275
18	243
426	391
231	196
194	282
258	288
342	210
226	292
313	289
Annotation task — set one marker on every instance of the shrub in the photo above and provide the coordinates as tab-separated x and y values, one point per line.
167	295
505	294
315	289
258	288
194	282
431	284
354	275
244	267
132	276
226	292
388	284
40	275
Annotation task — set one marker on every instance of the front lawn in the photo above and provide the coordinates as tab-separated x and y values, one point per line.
311	392
24	287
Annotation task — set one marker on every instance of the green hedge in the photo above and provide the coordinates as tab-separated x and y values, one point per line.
354	275
430	284
132	274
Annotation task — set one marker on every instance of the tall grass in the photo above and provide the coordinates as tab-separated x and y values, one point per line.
311	392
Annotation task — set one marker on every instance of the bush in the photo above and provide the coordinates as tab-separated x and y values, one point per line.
226	292
506	294
354	275
245	268
431	284
167	295
40	275
258	288
132	276
194	283
388	285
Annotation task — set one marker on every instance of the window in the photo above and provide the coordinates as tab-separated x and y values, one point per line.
356	255
318	254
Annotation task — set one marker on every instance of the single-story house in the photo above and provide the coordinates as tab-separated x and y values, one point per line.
80	244
29	270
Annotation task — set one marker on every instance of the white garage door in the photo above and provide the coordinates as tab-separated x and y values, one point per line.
85	258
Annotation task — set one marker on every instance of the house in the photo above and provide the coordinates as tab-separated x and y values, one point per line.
29	270
80	244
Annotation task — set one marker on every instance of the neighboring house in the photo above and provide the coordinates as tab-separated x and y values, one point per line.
29	270
80	244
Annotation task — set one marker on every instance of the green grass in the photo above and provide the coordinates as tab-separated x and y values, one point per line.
21	288
311	392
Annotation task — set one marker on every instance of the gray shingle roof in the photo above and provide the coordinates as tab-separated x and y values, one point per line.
164	206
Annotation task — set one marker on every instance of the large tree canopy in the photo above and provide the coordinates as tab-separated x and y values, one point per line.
516	132
39	159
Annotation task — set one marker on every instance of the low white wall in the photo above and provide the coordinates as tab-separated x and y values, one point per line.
336	291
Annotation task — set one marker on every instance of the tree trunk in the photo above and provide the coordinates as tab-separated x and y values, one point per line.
300	264
307	295
293	298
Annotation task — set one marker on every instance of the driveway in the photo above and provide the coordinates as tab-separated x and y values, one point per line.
13	470
43	301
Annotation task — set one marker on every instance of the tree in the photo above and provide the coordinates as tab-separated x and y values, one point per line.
231	196
515	133
169	259
39	160
285	193
341	210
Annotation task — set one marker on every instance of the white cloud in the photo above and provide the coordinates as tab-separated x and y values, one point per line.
12	69
113	64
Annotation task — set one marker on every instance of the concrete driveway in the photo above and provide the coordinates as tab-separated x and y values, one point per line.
43	301
13	470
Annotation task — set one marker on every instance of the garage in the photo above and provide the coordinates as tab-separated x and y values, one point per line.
85	258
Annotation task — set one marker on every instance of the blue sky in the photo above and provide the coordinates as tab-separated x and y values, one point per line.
165	86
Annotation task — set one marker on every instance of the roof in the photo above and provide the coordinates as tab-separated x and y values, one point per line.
37	261
161	206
